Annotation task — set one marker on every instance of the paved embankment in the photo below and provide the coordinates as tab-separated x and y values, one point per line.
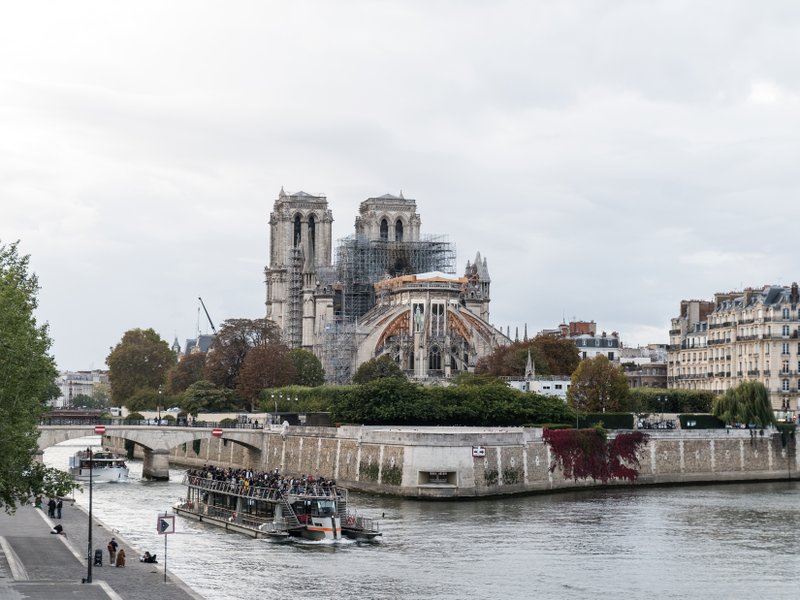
38	565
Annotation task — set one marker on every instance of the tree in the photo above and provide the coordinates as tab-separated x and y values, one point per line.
27	382
746	403
264	367
140	360
551	355
597	385
204	396
308	369
377	368
232	343
188	371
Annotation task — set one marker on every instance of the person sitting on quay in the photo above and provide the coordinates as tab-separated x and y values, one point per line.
148	558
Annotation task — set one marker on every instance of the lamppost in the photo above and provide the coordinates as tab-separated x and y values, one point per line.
159	405
89	555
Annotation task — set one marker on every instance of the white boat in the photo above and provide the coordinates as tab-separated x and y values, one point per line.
103	465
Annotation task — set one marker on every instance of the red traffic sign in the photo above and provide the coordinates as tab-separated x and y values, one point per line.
99	429
216	432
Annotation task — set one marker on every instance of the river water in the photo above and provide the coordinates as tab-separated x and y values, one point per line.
720	541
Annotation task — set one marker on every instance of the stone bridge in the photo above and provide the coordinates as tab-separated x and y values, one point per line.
156	440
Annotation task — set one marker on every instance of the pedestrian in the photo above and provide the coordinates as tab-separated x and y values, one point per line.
59	506
112	550
51	508
121	557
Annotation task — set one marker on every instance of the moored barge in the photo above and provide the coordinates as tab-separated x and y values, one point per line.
309	510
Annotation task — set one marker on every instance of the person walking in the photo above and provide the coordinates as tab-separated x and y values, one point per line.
112	550
51	508
59	506
121	557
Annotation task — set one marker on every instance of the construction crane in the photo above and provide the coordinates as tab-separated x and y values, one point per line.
205	310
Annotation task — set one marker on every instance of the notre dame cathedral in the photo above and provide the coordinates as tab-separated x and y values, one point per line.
386	289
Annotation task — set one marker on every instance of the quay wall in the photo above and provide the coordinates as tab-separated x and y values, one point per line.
440	462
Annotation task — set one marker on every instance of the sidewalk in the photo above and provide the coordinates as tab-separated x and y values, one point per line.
38	565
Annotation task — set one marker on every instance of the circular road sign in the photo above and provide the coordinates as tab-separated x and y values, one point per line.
99	429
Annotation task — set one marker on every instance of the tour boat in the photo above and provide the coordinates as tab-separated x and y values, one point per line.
103	465
311	511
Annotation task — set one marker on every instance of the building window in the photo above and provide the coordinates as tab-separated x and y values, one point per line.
398	231
785	385
384	229
786	330
435	359
558	386
785	348
312	233
785	366
785	313
297	232
610	356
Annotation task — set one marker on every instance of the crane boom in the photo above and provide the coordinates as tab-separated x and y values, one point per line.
205	310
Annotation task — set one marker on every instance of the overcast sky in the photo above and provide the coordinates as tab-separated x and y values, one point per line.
609	158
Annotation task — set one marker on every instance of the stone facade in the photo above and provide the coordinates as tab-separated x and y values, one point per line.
389	291
443	463
750	335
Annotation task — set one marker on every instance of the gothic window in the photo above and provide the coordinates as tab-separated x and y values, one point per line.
398	231
435	359
437	319
411	361
297	234
312	233
384	229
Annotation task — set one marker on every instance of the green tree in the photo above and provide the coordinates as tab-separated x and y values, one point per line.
27	382
188	371
140	360
598	386
308	369
236	337
204	396
377	368
746	403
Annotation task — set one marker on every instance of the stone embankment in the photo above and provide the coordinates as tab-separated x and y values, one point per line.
447	462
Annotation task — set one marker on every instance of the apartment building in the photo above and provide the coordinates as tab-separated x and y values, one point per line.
739	336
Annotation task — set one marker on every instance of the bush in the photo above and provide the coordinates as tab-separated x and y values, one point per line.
134	416
644	400
228	423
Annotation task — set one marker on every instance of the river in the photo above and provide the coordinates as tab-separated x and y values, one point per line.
716	541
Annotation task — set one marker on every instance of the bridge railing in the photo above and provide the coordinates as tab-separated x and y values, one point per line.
61	421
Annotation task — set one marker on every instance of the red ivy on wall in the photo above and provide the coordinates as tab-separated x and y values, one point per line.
582	453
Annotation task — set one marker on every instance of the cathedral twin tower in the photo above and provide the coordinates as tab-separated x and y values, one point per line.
388	291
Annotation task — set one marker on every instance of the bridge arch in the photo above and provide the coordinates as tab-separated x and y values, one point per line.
156	440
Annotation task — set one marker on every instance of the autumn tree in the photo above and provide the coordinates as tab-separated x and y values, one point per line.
235	338
746	403
377	368
597	386
188	371
308	369
140	360
551	355
264	367
27	384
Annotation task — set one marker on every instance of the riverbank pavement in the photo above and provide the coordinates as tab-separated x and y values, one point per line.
38	565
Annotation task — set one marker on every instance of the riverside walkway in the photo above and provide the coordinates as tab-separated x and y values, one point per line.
38	565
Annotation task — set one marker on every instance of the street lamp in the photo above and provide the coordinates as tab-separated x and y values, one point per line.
159	405
89	555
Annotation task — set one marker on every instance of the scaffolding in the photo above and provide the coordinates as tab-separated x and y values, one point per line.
360	263
293	330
